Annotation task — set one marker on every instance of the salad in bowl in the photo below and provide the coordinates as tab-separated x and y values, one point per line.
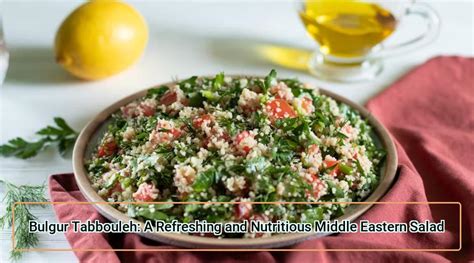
235	139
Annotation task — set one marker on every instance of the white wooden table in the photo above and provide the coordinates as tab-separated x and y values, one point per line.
186	38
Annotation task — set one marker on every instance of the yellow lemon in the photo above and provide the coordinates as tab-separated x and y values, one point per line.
100	38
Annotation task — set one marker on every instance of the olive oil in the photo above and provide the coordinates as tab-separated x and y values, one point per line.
347	28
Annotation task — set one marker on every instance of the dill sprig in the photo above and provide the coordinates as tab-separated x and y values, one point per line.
62	135
23	193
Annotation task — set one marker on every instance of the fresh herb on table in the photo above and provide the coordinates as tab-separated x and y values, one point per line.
23	193
62	135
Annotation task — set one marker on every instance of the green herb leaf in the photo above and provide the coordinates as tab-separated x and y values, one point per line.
257	164
196	100
212	96
191	208
314	214
20	148
204	180
270	80
111	181
218	81
65	145
62	135
155	215
346	169
164	206
187	85
63	125
342	135
359	168
158	92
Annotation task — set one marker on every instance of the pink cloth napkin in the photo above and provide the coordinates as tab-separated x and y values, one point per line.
429	113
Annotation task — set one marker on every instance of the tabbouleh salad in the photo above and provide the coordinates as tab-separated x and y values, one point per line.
235	139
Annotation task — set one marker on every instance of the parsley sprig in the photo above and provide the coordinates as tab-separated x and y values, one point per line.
23	193
61	135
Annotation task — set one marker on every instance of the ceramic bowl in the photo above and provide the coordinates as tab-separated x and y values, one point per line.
94	129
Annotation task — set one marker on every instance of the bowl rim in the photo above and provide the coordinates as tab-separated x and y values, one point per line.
82	179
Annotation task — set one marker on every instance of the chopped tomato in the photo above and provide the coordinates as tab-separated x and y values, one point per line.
281	91
198	121
330	163
144	198
116	188
164	124
147	110
176	133
225	136
316	183
130	110
107	149
169	98
146	193
333	165
165	131
241	136
239	141
246	149
133	110
166	136
101	152
206	140
314	177
316	187
242	211
279	108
